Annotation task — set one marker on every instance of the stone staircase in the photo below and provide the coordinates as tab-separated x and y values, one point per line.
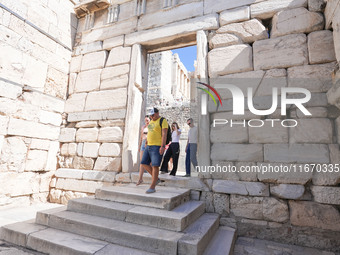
124	220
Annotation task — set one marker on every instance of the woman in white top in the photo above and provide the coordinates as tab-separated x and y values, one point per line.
142	146
173	150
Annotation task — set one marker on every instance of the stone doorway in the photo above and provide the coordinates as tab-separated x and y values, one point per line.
137	89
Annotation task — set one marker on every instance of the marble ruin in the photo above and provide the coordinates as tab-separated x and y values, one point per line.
72	81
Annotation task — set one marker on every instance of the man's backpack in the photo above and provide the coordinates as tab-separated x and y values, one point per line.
168	135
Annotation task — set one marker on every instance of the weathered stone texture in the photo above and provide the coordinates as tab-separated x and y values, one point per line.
287	191
115	71
223	40
234	15
90	150
110	134
108	99
82	163
240	188
108	164
311	214
67	135
13	155
315	130
88	81
315	78
119	56
275	210
282	52
110	150
296	153
227	134
110	43
316	5
231	59
221	204
321	47
95	60
267	9
237	152
326	195
268	134
296	21
87	135
248	31
36	160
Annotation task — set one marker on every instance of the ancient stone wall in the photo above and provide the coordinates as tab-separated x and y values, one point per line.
251	43
36	42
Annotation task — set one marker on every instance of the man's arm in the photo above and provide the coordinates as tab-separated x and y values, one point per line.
164	135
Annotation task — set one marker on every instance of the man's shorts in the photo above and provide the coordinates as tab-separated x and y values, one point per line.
151	155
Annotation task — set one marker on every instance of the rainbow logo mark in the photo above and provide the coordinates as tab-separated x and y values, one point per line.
209	93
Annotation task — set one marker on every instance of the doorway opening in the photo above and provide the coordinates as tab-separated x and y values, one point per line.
169	88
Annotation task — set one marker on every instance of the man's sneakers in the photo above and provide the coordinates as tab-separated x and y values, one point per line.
150	191
158	181
187	175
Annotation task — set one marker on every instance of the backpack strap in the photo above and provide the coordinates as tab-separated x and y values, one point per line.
161	122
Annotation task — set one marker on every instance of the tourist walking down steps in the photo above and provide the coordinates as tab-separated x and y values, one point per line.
191	148
142	146
154	150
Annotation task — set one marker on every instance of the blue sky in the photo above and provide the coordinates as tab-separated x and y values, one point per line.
187	55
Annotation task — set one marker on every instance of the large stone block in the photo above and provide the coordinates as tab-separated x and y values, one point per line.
163	17
68	173
110	134
52	160
267	9
67	135
326	195
287	191
110	150
56	83
231	59
248	31
98	115
172	31
40	144
52	118
75	103
315	130
72	83
115	82
274	78
268	134
75	64
87	124
78	185
234	15
45	102
236	152
115	71
106	100
87	135
296	153
88	47
110	43
282	52
211	6
223	40
10	90
94	60
83	163
283	173
240	188
3	125
246	207
118	56
108	164
88	81
90	150
315	78
32	129
311	214
296	21
29	183
33	78
99	176
227	134
36	160
321	47
275	210
13	154
316	5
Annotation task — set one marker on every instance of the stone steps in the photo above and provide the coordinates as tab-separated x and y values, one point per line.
57	242
222	243
165	198
175	220
168	224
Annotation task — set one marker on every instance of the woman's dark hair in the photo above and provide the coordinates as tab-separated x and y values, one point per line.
175	123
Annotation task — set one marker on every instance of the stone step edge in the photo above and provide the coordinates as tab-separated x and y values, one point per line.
170	220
